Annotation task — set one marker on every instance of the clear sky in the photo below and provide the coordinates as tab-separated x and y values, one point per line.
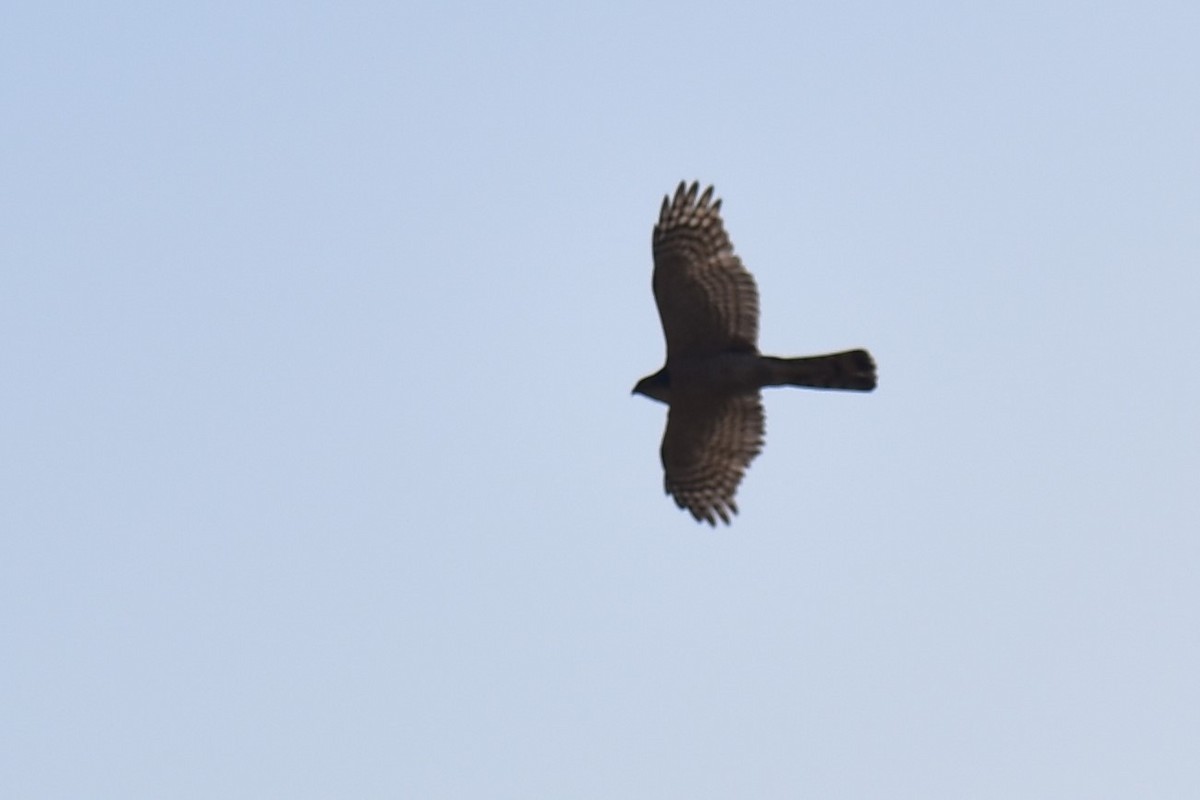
321	476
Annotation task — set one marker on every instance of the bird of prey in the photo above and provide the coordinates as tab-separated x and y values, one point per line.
708	304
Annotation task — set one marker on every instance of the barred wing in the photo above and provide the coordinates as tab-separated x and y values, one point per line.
706	299
708	444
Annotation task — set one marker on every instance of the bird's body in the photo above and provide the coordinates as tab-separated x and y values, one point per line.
713	374
735	372
724	373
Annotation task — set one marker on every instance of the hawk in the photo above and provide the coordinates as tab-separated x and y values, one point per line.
708	304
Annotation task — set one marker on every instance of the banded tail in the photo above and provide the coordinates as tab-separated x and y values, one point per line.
853	370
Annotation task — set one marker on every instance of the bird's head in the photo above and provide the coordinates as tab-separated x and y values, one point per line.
656	386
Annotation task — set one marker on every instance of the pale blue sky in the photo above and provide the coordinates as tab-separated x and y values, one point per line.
321	475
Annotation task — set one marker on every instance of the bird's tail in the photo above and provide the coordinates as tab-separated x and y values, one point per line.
853	369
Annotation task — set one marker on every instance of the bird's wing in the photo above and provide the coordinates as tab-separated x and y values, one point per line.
708	444
707	300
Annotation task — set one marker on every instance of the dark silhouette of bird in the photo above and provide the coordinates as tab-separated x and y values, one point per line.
708	304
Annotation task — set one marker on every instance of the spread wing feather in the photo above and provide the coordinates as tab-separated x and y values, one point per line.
706	299
708	444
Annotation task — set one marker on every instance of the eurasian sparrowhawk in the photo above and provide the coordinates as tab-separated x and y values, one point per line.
708	304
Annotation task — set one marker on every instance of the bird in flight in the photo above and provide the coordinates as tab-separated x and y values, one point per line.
708	304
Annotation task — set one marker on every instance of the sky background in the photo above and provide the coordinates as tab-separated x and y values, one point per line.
321	476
